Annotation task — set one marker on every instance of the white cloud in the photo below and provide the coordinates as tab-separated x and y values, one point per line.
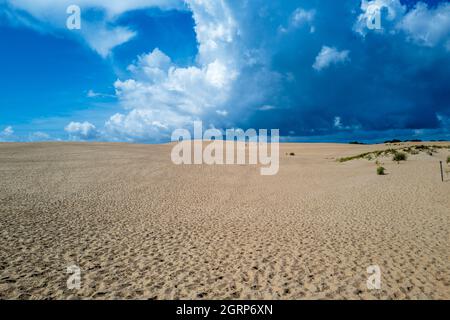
337	122
422	25
93	94
218	75
444	121
395	10
266	107
299	18
39	136
143	124
216	29
7	132
158	95
103	39
99	34
243	62
427	27
162	96
151	67
328	56
81	131
222	113
50	9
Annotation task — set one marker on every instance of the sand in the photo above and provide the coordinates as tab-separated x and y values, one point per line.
140	227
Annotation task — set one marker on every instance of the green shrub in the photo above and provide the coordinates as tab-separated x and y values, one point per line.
399	156
380	171
345	159
448	159
390	151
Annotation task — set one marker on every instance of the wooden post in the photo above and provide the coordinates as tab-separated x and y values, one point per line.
442	172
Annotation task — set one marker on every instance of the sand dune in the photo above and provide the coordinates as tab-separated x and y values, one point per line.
140	227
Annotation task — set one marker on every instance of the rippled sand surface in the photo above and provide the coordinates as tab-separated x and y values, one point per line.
140	227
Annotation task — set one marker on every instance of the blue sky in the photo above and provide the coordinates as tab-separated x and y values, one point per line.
137	70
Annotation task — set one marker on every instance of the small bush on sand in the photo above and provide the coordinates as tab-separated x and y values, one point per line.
396	153
399	156
448	159
380	171
292	154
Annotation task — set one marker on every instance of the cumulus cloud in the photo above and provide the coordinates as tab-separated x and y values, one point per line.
299	18
422	25
427	27
174	97
162	96
329	56
393	10
81	130
151	67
